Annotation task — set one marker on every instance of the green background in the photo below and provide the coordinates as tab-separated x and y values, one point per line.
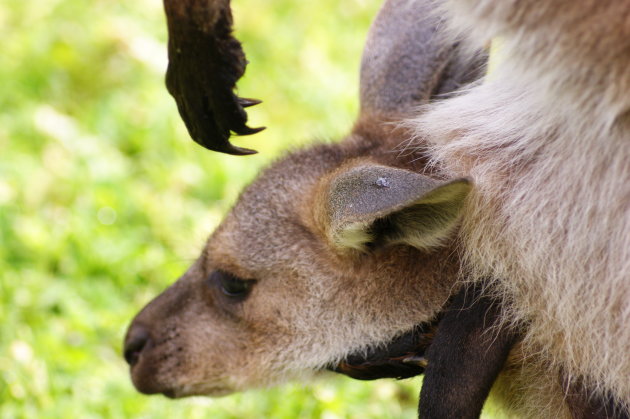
104	200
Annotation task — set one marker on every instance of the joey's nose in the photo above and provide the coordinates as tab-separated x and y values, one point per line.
136	340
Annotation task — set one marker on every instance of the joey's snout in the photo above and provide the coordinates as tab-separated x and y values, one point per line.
136	340
137	350
184	342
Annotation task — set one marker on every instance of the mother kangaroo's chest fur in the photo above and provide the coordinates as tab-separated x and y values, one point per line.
546	141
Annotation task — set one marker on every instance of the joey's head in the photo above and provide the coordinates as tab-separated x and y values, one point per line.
322	256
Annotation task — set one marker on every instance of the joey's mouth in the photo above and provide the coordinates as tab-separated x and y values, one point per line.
402	357
203	390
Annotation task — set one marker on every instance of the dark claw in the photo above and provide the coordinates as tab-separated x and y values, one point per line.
246	102
245	130
236	151
417	360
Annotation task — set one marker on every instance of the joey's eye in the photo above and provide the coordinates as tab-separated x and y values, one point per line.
231	285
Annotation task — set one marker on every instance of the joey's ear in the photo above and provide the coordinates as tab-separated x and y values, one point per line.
371	204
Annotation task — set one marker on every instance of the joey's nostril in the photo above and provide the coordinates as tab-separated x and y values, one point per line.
136	340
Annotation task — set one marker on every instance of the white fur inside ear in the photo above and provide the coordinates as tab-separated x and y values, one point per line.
430	222
454	193
354	236
427	231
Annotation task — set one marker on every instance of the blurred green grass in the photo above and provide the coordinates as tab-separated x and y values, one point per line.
104	200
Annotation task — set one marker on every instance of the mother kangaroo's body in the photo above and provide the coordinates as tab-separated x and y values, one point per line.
546	140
